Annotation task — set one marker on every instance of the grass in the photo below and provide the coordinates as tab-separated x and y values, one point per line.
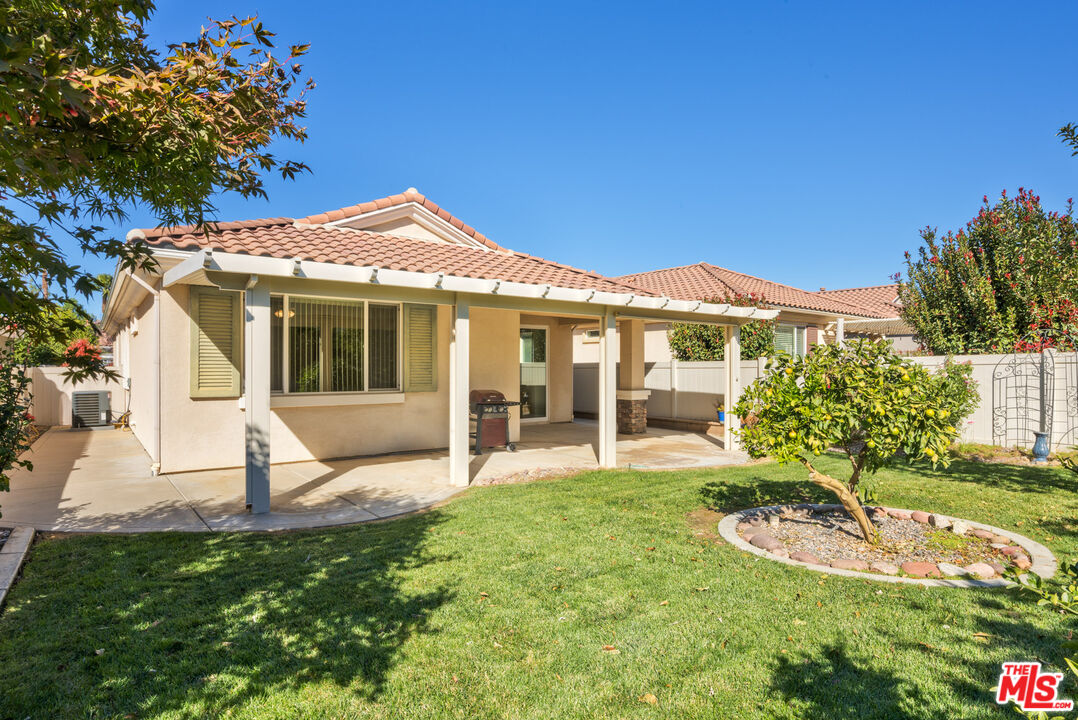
500	605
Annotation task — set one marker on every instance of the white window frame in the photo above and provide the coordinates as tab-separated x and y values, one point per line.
589	338
286	299
803	330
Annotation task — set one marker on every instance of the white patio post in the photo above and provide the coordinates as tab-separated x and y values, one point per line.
732	354
458	395
608	408
256	395
840	331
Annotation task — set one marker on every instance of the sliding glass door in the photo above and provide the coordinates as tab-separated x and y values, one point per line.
533	373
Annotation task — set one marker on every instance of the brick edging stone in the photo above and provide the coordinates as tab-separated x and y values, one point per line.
12	554
1044	562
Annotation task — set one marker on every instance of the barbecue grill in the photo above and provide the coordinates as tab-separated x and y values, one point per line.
490	411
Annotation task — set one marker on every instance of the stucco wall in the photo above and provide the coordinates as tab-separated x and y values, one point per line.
307	433
495	357
139	356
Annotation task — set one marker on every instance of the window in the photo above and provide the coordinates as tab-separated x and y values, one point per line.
591	336
334	345
790	339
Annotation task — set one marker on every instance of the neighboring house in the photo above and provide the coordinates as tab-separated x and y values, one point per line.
360	331
883	301
804	318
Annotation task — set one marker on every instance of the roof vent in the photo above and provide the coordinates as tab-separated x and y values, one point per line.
823	289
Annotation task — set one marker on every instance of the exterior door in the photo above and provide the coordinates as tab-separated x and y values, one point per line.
533	373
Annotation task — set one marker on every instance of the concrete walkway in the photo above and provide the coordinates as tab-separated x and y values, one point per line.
99	481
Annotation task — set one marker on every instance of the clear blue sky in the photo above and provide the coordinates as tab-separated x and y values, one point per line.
803	142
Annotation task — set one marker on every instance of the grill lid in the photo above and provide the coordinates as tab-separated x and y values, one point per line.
486	396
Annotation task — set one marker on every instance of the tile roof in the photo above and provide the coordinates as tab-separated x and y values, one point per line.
411	195
704	281
882	300
285	238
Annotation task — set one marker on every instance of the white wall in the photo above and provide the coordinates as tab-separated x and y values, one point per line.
699	386
697	390
51	403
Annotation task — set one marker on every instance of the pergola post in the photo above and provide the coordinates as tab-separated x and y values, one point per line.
632	395
608	409
459	340
256	395
840	332
732	353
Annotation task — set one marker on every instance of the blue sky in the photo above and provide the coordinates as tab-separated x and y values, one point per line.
802	142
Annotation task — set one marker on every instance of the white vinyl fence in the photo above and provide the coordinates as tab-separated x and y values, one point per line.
1005	416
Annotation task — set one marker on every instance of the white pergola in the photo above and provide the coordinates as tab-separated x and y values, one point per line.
258	277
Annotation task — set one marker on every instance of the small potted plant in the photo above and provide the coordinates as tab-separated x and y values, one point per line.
720	411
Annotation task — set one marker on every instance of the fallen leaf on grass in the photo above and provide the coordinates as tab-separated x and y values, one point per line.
611	649
664	602
649	699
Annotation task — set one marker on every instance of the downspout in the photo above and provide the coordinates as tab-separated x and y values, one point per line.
155	434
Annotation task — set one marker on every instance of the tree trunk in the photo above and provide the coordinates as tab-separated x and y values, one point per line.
847	498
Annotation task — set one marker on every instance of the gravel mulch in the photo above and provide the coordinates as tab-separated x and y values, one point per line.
832	535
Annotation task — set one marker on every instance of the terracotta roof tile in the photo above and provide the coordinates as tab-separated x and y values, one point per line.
882	300
704	281
400	199
284	238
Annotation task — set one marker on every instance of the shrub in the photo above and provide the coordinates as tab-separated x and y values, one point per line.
860	398
690	341
1011	271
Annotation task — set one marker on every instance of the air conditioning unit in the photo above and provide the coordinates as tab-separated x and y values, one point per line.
90	408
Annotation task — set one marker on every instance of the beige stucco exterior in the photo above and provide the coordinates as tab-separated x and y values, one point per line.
406	421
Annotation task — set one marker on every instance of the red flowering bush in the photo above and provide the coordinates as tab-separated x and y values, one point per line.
83	360
1011	271
689	341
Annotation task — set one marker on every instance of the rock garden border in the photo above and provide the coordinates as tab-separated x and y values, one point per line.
1044	562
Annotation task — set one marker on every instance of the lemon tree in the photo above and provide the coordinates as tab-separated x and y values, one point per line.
862	399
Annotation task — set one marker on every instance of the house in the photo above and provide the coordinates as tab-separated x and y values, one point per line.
687	395
883	301
360	331
804	318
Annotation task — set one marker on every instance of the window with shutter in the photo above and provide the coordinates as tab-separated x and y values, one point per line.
420	348
216	346
784	339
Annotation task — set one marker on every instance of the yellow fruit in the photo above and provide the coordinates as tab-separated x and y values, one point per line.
930	412
894	431
906	377
871	443
789	371
793	433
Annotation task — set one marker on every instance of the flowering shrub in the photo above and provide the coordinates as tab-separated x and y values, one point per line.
861	398
1010	271
689	341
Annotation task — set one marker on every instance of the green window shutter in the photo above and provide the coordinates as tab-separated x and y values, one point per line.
216	345
420	348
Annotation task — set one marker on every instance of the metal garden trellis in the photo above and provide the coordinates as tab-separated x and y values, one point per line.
1035	393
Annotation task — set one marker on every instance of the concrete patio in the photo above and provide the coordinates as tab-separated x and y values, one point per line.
99	481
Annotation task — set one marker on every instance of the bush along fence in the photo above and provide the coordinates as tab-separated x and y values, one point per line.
1018	393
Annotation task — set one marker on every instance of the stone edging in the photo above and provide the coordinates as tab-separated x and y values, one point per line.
1044	563
12	554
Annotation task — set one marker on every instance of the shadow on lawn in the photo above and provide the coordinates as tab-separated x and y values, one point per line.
203	624
837	685
729	497
842	684
1014	478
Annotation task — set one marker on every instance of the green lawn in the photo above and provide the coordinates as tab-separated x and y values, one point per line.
500	603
